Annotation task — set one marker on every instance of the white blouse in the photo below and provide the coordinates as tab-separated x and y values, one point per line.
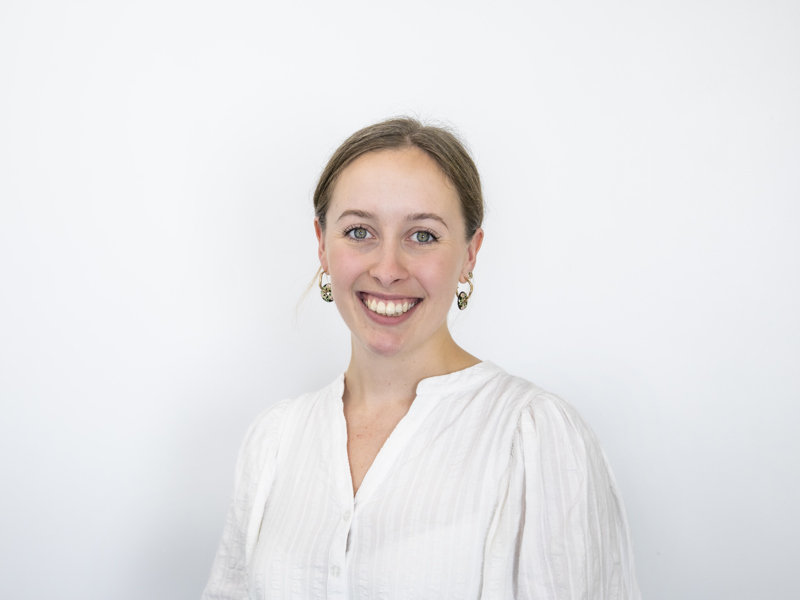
488	488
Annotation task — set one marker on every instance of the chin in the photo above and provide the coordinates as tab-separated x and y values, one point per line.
385	347
385	350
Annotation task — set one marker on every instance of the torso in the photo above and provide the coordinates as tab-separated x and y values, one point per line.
454	484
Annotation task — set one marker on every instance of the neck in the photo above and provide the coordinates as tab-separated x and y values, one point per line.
375	382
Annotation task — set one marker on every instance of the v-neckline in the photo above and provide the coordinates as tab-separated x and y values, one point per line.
427	392
391	449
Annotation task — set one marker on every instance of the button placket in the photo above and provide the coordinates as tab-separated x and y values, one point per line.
337	556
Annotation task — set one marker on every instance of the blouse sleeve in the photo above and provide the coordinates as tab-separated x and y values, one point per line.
562	515
255	469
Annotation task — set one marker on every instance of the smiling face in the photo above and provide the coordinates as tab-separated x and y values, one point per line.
395	248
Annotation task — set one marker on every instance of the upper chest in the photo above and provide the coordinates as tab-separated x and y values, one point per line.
367	432
430	494
437	440
421	514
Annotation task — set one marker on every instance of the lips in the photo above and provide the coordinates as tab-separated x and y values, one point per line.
394	307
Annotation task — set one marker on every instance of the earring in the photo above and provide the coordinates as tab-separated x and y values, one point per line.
463	297
325	290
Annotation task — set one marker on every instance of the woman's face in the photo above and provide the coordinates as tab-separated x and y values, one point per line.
394	247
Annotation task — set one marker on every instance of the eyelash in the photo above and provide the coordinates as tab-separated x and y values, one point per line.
352	228
434	237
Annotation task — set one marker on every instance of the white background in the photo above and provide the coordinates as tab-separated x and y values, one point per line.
641	164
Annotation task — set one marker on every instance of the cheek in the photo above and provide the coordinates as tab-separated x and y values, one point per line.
438	276
344	266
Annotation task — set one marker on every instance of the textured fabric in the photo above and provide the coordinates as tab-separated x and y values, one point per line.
488	488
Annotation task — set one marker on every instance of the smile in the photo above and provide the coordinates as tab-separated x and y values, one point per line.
389	308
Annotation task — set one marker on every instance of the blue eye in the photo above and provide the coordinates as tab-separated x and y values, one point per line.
358	233
423	237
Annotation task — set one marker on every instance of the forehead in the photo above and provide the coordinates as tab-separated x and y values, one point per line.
395	181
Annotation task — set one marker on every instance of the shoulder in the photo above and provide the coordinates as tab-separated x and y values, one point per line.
548	413
555	426
541	418
519	398
505	393
523	396
524	418
568	513
553	444
266	423
263	437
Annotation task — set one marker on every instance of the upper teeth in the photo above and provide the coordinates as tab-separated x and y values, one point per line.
390	309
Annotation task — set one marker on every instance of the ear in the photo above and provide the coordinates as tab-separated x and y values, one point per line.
472	254
323	256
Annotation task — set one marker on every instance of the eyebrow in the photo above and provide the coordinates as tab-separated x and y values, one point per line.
356	213
413	217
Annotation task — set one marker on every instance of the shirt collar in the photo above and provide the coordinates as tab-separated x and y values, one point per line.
458	380
439	384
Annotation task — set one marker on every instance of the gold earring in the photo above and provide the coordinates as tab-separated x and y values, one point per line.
463	297
325	290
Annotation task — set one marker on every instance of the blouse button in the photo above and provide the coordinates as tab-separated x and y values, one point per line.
335	571
346	515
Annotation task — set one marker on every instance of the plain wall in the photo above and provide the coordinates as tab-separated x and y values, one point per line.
641	164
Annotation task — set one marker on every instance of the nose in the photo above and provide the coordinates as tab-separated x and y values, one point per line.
389	266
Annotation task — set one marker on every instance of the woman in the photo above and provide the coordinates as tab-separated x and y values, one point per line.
421	472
